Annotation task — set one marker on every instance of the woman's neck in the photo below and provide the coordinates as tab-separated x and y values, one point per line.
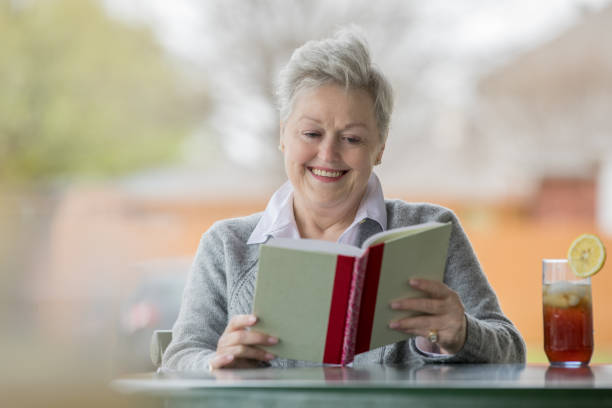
323	223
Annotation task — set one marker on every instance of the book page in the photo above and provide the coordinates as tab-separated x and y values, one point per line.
292	301
415	256
315	245
396	233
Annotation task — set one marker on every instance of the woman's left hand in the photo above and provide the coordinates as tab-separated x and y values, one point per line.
443	311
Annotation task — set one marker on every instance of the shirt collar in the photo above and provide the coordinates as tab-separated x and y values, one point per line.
278	220
372	206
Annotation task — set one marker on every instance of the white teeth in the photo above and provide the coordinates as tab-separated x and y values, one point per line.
325	173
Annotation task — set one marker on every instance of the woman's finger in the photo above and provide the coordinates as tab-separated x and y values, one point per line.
239	322
250	337
424	305
417	325
434	289
250	352
219	361
451	329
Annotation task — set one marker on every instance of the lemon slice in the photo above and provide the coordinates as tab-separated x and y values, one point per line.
586	255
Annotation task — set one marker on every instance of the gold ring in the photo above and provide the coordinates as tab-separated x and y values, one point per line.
433	336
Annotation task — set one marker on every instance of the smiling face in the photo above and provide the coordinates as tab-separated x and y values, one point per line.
331	142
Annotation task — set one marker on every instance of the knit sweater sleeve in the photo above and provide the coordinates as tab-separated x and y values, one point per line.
203	313
491	336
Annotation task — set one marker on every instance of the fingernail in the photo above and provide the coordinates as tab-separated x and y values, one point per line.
395	305
229	357
252	319
272	340
414	282
394	325
269	356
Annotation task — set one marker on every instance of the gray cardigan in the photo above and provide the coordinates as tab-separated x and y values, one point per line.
221	284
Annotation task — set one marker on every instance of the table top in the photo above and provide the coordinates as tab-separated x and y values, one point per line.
460	385
480	376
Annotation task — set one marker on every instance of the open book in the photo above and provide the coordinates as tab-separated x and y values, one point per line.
327	301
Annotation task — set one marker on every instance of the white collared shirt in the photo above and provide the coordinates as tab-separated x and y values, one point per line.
278	220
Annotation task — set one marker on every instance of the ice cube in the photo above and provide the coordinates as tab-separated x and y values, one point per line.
563	294
556	300
572	299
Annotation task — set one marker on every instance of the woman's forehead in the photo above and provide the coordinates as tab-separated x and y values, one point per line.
319	103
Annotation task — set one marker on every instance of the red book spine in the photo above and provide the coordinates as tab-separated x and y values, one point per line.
368	298
354	303
334	340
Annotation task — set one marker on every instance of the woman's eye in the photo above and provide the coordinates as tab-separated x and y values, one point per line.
311	135
352	140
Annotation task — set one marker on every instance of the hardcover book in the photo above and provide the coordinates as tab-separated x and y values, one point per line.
327	302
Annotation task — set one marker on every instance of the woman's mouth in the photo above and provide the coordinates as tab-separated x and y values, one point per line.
327	175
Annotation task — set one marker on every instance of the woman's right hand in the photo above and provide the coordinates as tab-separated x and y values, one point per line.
236	347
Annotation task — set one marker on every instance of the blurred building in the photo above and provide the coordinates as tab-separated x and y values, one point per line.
559	198
550	111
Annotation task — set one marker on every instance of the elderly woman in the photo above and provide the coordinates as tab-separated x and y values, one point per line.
335	108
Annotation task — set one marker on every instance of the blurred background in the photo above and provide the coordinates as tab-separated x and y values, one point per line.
128	128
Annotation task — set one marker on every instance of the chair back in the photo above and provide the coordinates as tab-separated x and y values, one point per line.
159	342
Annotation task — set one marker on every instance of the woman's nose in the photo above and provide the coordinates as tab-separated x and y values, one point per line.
328	149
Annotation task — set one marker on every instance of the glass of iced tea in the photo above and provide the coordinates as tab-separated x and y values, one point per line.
568	315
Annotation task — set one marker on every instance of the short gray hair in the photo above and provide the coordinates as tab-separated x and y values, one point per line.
343	59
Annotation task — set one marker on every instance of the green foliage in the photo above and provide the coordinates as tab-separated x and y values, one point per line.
83	94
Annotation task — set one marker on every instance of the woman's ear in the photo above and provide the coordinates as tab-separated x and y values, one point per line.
281	145
379	155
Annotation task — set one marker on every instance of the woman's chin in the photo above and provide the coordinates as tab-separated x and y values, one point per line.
332	201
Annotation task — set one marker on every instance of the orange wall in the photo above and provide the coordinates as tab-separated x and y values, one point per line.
509	245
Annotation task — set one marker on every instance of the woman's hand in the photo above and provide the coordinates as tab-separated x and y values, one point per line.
444	314
236	347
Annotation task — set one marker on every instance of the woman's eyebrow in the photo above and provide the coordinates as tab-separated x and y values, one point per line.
348	126
305	117
356	124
